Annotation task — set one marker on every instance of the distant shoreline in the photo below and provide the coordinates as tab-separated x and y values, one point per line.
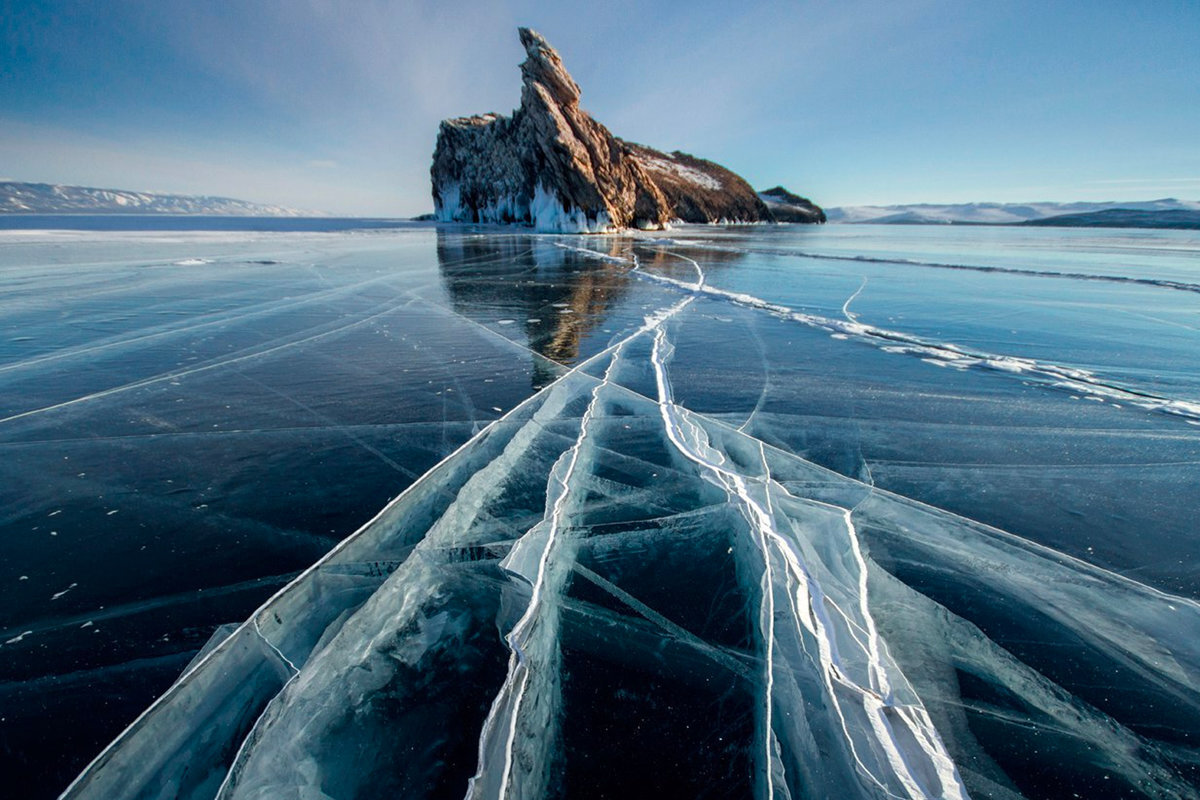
124	221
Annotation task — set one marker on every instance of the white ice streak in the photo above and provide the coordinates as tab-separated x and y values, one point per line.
594	254
914	758
846	305
542	569
946	354
143	756
503	717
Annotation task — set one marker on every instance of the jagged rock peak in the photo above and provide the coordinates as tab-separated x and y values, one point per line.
552	166
543	65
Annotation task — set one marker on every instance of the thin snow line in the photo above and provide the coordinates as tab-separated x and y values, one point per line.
846	305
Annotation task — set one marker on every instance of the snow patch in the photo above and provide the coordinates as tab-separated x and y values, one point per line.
680	171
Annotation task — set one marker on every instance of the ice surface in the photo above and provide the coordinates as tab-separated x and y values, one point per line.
606	593
682	516
360	651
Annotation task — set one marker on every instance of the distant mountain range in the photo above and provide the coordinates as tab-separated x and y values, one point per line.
1016	213
49	198
1124	218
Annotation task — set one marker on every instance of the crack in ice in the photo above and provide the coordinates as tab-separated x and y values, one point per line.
946	354
876	698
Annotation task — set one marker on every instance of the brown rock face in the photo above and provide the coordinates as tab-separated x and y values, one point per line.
552	166
701	191
788	207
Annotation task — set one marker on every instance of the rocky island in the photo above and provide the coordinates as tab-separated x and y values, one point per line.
555	168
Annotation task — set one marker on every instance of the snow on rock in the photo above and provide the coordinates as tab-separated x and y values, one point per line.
701	191
680	171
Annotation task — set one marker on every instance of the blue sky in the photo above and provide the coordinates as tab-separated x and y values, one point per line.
334	106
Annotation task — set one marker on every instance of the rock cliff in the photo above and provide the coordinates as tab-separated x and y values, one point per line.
700	191
788	207
552	166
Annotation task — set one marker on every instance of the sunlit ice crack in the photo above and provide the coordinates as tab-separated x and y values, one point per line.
543	557
906	754
1039	562
1137	631
142	750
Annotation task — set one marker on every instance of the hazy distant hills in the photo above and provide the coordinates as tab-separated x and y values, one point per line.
48	198
1004	213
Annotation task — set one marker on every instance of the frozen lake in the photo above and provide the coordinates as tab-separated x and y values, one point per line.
771	511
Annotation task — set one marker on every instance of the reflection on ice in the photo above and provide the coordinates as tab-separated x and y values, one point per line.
557	294
605	593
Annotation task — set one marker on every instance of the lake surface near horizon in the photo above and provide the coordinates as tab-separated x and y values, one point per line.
844	510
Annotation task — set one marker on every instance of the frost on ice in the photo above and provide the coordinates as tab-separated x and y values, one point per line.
607	594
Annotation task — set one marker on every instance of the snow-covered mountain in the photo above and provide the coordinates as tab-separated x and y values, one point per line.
991	213
48	198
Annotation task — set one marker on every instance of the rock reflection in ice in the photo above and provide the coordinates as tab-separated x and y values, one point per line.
606	594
